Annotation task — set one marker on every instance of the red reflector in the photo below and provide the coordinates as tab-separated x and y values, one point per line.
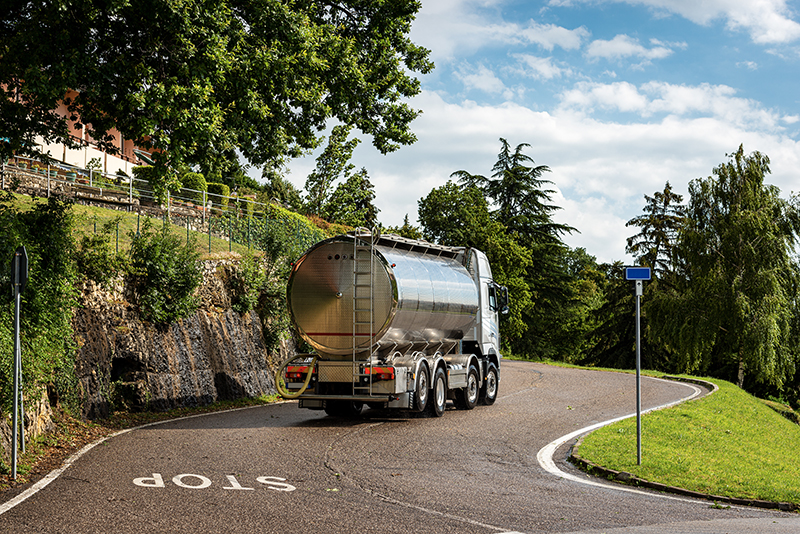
296	371
381	373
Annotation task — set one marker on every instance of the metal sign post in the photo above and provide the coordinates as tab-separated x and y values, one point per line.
638	275
19	279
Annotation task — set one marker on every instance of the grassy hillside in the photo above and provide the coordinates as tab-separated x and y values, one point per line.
729	444
91	219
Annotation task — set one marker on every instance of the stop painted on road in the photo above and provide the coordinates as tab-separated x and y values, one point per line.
192	481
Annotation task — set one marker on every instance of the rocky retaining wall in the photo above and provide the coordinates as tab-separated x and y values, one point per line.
123	362
213	355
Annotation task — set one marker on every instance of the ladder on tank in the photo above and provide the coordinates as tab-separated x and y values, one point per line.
363	307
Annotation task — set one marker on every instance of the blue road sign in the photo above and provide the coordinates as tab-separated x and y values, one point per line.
637	273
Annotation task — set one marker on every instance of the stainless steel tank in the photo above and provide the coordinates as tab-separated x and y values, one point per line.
421	294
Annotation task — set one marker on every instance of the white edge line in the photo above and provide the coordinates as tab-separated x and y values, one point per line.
52	475
545	455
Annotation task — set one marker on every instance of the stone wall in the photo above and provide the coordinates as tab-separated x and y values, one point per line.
215	354
123	362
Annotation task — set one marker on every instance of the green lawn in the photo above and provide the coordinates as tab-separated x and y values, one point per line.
90	219
728	443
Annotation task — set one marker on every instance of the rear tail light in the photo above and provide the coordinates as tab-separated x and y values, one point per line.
296	372
380	373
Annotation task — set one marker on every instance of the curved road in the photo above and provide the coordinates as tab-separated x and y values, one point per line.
280	469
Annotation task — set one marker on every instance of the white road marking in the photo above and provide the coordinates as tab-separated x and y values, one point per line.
52	475
545	455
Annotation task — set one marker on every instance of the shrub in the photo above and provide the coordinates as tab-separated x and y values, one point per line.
219	189
165	273
161	181
46	334
94	257
197	183
248	280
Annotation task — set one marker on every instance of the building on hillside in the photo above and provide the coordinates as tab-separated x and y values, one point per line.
129	155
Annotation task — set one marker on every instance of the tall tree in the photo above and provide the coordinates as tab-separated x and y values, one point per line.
352	203
613	335
333	163
518	192
197	81
732	315
522	204
655	245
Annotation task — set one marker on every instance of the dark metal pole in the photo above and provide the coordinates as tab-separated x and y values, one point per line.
638	374
21	400
15	417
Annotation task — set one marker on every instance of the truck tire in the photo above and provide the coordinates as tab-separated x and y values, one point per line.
421	392
466	398
438	395
490	385
344	409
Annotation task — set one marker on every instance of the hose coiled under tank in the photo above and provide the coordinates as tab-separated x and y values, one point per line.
285	393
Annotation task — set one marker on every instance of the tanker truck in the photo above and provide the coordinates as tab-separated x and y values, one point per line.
394	323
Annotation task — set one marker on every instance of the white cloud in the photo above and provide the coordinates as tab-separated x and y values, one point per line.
600	169
479	78
752	65
767	21
617	96
623	46
459	28
656	98
608	144
548	36
543	68
482	79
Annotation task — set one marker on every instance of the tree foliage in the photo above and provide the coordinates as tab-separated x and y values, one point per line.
655	245
282	190
197	81
352	202
407	230
517	191
333	163
47	340
733	310
165	273
520	201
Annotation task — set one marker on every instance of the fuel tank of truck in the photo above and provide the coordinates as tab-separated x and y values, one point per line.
346	299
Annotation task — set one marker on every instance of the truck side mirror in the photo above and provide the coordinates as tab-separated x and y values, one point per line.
503	299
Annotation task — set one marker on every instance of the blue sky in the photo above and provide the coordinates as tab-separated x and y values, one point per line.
616	97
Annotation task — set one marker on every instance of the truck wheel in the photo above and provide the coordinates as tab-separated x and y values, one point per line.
438	400
490	384
346	409
421	389
467	398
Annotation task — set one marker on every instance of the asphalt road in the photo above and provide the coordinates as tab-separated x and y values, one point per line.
284	470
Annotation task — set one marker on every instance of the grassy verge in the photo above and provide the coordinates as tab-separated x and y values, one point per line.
729	444
90	220
48	452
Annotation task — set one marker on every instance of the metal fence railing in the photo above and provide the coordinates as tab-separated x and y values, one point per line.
237	219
